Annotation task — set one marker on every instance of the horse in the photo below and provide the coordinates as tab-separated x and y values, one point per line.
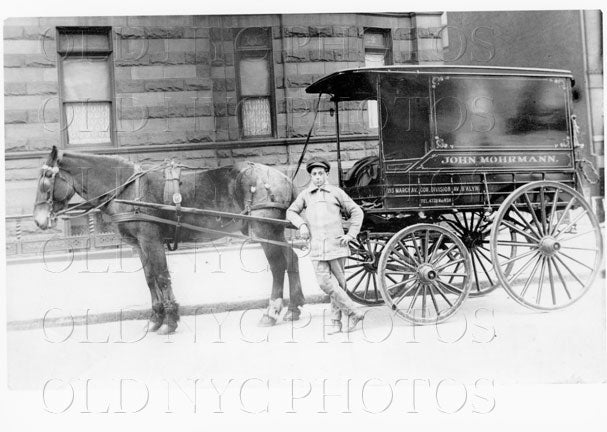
251	188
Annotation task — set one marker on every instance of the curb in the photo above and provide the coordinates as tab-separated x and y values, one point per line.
143	314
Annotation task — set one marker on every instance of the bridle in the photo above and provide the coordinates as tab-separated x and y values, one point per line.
47	184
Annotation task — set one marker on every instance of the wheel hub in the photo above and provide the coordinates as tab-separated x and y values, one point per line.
549	246
370	264
472	239
426	273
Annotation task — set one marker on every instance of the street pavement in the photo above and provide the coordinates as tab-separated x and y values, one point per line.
220	366
68	289
491	337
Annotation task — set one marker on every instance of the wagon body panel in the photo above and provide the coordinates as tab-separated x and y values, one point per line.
461	137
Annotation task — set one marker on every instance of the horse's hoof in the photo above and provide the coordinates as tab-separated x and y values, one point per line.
166	329
266	321
292	315
154	326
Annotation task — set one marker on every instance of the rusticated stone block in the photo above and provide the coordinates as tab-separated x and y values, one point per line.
203	70
129	32
168	111
166	85
200	109
326	31
130	86
220	109
198	136
41	144
167	58
344	31
246	152
355	31
228	59
13	60
298	57
46	115
189	58
163	32
133	113
15	116
321	55
296	31
224	153
353	145
405	33
276	34
197	84
44	88
274	150
14	89
13	32
303	80
224	84
140	61
40	60
202	32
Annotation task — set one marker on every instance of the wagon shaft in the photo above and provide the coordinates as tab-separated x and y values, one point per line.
203	212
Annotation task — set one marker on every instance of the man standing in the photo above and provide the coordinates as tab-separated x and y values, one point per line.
329	248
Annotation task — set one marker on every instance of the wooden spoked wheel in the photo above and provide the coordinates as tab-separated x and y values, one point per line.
560	246
362	283
425	273
474	230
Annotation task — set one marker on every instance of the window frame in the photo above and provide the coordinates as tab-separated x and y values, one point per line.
108	55
387	37
241	53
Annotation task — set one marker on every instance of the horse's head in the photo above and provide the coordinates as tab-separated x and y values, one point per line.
54	191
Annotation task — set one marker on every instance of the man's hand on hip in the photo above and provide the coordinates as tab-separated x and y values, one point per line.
304	232
345	239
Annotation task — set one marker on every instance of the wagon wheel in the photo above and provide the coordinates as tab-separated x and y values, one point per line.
474	231
425	273
561	253
362	283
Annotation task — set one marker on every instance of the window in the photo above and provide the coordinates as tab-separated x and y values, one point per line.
255	82
85	85
378	52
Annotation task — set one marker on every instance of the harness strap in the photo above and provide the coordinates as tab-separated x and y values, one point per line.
172	193
270	205
108	196
133	217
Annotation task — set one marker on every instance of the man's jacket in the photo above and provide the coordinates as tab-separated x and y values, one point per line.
324	207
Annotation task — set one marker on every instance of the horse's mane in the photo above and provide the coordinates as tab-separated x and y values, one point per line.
109	160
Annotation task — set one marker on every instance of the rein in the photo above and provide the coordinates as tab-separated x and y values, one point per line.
111	194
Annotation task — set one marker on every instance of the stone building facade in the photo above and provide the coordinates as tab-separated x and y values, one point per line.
179	86
213	90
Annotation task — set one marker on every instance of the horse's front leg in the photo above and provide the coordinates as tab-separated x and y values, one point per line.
157	315
278	265
296	297
153	250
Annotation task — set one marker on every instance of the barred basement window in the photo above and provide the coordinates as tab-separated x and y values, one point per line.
85	85
378	52
255	82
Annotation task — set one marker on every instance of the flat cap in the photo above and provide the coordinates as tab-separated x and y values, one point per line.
318	161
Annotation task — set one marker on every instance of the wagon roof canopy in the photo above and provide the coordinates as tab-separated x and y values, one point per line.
359	84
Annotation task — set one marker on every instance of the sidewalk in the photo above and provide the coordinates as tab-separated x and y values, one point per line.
66	291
